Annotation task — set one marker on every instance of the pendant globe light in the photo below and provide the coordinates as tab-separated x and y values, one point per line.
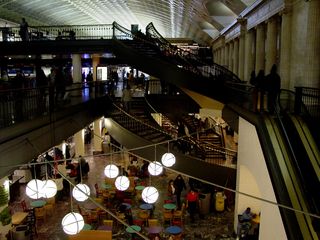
35	189
150	194
122	183
72	223
168	159
49	189
111	170
155	168
81	192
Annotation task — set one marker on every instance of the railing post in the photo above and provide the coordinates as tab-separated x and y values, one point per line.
298	100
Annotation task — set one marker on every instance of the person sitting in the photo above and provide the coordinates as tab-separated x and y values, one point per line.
244	224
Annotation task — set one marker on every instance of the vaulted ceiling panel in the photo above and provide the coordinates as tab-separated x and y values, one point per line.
197	19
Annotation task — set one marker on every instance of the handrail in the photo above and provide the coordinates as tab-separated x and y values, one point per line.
206	70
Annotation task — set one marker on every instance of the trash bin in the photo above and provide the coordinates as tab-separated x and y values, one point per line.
204	203
220	197
21	232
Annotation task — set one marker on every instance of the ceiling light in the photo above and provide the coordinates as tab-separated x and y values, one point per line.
122	183
155	168
72	223
111	171
168	159
150	195
49	189
81	192
34	189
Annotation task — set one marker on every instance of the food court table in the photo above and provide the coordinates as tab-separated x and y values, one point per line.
18	217
146	206
87	227
169	206
38	203
154	229
139	188
133	229
106	186
174	230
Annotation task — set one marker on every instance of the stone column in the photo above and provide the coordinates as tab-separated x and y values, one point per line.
285	48
77	73
271	44
95	63
312	50
236	56
222	56
97	138
79	143
226	55
260	48
230	67
249	54
242	49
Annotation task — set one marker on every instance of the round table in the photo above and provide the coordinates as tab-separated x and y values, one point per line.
87	227
106	186
146	206
133	229
169	206
154	229
174	230
127	205
38	203
139	188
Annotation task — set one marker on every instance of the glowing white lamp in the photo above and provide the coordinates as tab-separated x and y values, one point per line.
150	195
155	168
168	159
34	189
81	192
111	171
72	223
122	183
49	189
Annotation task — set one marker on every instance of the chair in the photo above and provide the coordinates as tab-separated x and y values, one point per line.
98	191
178	214
143	215
153	222
108	223
167	216
40	214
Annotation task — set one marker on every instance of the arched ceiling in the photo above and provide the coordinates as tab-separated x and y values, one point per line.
200	20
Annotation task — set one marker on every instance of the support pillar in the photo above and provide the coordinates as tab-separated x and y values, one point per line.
226	55
285	49
95	63
230	67
79	143
97	138
260	48
242	49
236	57
77	72
249	54
271	44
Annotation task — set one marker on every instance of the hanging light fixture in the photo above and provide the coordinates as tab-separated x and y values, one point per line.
81	192
49	188
111	171
155	168
35	188
168	159
72	223
150	195
122	183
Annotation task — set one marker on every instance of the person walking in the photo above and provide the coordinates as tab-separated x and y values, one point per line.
126	98
192	203
180	185
273	83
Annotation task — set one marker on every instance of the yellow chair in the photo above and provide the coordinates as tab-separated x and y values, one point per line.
143	215
178	214
167	216
153	222
108	223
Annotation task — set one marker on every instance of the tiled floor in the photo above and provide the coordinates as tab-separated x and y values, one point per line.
210	226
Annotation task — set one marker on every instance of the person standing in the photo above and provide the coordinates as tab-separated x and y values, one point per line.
24	33
126	98
180	185
273	88
192	203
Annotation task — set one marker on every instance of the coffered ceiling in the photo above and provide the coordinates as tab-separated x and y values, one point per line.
200	20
